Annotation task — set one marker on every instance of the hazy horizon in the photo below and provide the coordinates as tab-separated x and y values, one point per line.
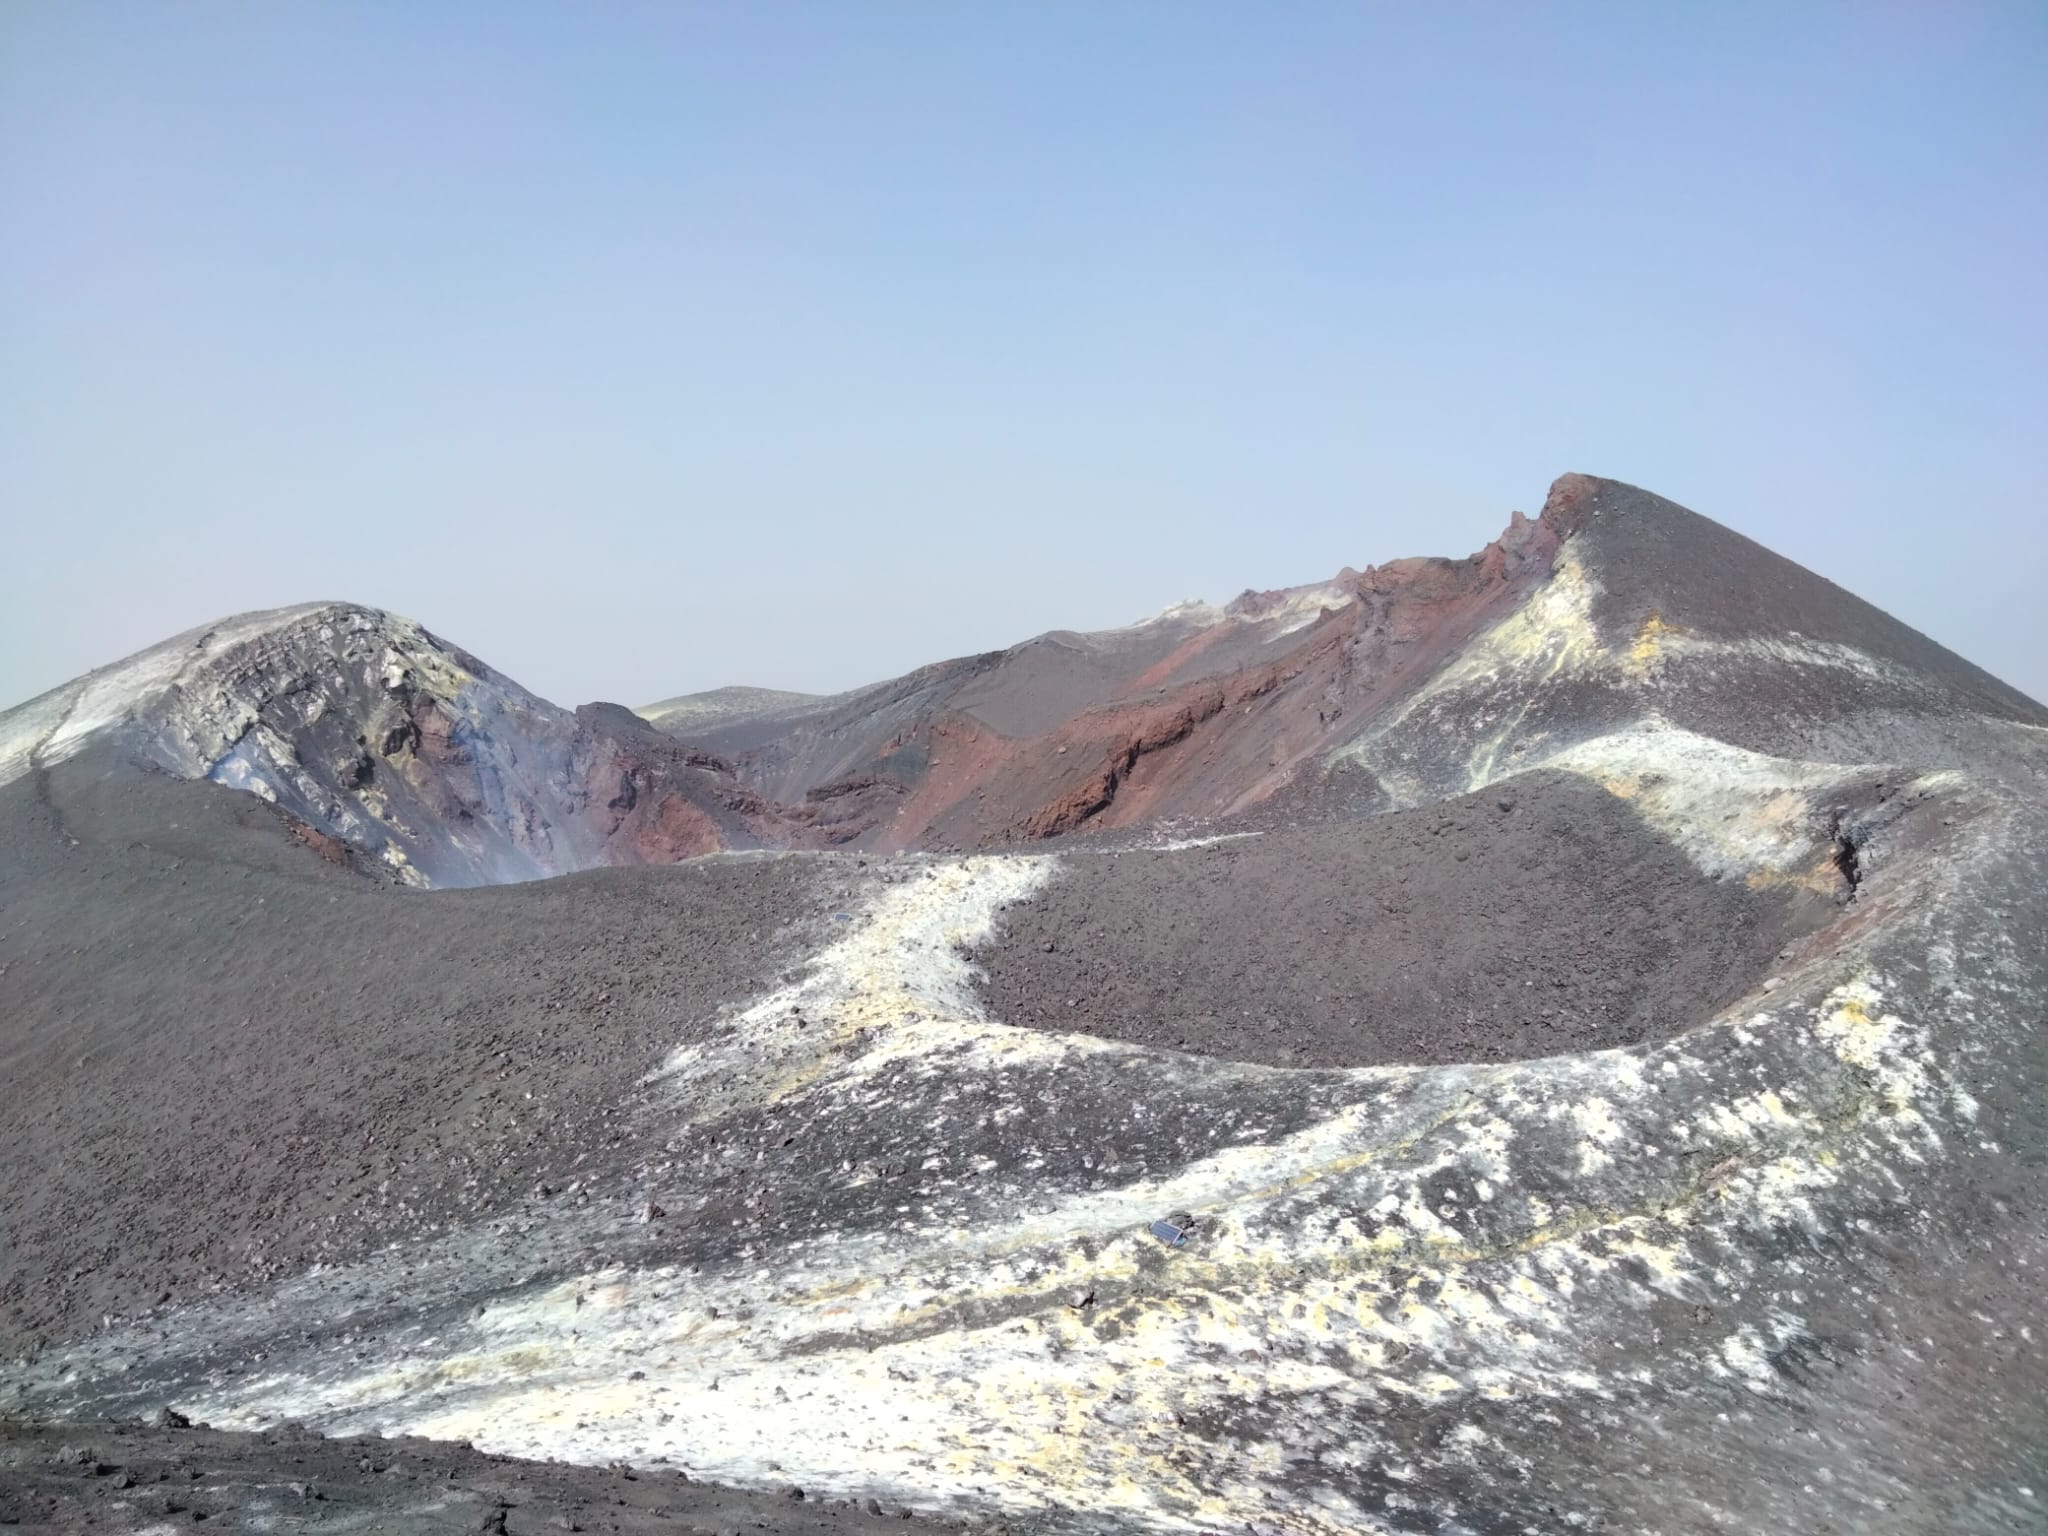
657	349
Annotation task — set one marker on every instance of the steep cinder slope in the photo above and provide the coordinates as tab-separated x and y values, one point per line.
1655	613
1720	616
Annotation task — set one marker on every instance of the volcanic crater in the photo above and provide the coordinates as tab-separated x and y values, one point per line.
1536	917
1583	999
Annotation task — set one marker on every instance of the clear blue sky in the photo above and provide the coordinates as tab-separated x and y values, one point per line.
648	348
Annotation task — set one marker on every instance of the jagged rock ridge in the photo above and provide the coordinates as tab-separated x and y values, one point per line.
371	730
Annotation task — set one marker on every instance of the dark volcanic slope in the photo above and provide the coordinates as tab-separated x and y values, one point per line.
1538	917
116	1477
246	1059
1698	577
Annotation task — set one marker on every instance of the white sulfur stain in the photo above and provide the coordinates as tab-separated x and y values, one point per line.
1302	608
1733	812
1280	613
1552	634
1744	1354
61	723
1789	650
25	728
1594	1117
895	993
1178	844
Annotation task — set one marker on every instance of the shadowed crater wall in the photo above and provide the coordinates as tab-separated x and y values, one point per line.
1539	917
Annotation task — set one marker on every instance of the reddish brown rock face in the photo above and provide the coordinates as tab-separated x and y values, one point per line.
332	849
1183	718
677	830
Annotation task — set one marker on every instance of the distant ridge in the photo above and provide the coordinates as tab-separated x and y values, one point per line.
1381	688
718	706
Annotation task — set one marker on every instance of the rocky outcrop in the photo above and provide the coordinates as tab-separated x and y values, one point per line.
373	733
1155	732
